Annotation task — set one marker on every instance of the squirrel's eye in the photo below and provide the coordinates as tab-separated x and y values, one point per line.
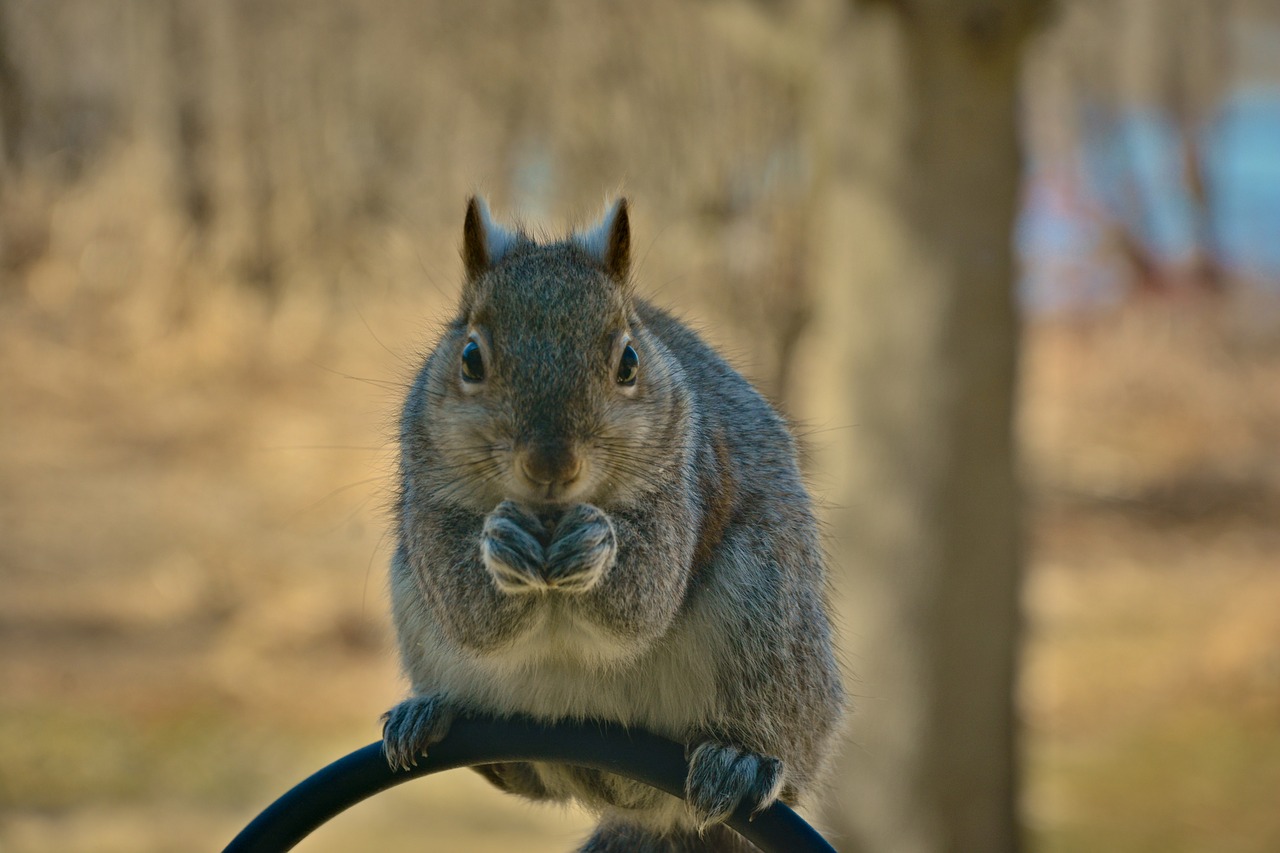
472	363
628	366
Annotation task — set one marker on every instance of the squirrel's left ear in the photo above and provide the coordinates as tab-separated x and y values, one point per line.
609	242
484	242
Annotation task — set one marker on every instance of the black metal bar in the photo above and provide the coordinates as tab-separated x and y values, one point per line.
635	754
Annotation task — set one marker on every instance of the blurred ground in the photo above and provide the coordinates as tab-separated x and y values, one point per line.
1152	678
193	561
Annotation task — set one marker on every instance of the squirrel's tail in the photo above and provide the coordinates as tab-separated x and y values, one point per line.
625	838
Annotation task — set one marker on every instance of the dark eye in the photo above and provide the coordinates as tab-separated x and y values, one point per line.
628	366
472	363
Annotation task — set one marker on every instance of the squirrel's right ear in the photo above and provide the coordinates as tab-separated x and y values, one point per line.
484	242
609	242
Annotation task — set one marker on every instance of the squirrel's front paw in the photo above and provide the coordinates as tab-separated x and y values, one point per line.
583	547
411	727
510	547
723	777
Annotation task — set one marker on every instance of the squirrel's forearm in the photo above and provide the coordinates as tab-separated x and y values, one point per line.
633	600
469	607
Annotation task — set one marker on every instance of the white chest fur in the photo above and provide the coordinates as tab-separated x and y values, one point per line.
564	666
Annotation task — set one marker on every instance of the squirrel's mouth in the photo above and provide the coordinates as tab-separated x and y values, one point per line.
554	497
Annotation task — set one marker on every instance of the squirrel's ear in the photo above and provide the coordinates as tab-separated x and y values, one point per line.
609	242
484	242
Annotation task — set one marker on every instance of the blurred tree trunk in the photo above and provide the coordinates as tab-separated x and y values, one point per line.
930	546
12	104
188	79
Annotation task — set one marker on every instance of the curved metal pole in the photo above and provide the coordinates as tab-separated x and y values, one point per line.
632	753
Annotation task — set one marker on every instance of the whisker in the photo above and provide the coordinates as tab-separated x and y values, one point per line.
379	383
348	487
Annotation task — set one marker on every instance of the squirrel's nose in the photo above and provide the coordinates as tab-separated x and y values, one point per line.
549	466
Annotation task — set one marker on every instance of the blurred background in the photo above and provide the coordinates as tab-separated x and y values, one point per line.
1012	268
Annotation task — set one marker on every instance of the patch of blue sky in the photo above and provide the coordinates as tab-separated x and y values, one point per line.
1242	168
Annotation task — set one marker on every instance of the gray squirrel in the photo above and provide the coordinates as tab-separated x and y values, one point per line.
598	518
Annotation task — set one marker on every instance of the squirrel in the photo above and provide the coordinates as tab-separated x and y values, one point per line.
599	518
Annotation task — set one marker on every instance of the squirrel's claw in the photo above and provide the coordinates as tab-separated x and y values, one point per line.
723	777
411	727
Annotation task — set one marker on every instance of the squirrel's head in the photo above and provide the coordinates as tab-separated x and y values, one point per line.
547	389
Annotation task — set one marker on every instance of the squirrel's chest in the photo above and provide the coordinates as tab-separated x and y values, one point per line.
569	668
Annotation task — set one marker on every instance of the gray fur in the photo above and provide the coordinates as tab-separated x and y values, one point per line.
569	548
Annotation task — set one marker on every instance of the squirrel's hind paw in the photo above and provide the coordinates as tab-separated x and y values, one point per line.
723	777
411	727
